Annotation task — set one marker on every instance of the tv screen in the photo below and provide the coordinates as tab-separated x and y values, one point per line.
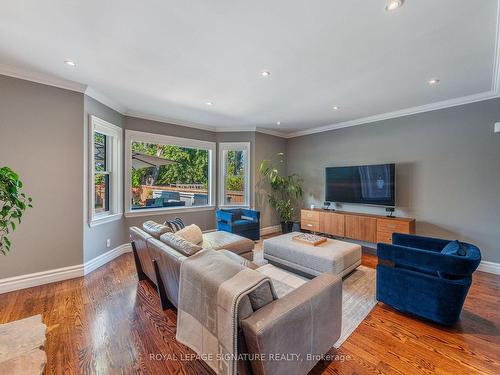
365	184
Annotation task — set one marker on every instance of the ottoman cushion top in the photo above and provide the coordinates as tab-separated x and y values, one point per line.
229	241
331	256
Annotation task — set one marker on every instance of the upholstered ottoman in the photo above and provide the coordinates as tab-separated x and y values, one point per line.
337	257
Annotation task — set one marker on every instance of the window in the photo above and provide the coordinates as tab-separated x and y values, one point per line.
104	171
234	179
168	173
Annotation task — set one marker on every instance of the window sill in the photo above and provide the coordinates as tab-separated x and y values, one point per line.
99	220
222	207
162	211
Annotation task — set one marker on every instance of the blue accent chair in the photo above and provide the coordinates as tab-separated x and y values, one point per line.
243	222
415	277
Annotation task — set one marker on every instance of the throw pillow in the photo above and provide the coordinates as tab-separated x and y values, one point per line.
154	229
455	248
180	244
191	233
175	225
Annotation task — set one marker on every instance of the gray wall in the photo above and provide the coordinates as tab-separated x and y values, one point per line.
266	147
448	169
41	138
94	239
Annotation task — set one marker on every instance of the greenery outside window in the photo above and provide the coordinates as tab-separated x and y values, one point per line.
234	178
166	173
104	171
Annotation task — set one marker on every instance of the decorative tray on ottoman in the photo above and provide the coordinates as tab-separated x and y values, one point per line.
309	239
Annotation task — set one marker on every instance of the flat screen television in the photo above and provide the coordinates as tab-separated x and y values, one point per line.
364	184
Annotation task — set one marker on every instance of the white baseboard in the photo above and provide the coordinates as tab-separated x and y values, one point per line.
102	259
268	230
39	278
490	267
30	280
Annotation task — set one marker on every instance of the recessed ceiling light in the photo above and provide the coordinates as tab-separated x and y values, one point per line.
209	103
336	107
278	123
433	81
265	73
70	62
393	5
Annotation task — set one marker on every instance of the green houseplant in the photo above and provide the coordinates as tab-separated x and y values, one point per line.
13	203
286	191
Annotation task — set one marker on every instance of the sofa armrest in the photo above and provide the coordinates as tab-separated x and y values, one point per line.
419	242
223	215
252	214
289	335
239	259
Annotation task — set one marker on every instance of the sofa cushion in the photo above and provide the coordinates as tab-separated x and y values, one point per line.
455	248
175	224
191	233
180	244
245	224
224	240
154	229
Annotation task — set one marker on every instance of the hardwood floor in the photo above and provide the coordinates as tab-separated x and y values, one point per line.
109	323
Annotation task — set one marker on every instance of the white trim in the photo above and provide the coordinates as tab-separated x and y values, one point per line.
401	113
98	220
43	78
167	210
495	86
30	280
269	230
97	124
272	132
108	256
490	267
137	136
166	120
234	146
497	127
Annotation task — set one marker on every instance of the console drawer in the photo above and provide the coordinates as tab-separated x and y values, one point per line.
309	215
391	226
310	225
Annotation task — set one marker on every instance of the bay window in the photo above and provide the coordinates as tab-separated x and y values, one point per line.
234	174
166	173
104	171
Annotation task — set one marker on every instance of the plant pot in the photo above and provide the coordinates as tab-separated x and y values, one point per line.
286	226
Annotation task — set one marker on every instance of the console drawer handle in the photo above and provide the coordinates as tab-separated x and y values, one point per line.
309	225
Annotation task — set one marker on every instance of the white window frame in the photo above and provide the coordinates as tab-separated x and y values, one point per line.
114	162
224	147
137	136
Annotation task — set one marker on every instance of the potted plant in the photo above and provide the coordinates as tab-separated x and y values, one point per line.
286	191
13	203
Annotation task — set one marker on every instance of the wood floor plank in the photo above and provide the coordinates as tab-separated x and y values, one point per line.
109	323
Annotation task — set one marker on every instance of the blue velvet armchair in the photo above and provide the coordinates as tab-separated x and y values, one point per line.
243	222
421	276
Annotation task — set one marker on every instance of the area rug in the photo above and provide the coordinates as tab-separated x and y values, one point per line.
358	294
21	346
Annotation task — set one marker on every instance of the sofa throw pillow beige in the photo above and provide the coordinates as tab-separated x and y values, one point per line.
180	244
191	233
154	229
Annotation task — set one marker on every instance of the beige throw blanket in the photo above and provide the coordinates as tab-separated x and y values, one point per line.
211	289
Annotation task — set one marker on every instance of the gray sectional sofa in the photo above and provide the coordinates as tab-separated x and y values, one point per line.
304	321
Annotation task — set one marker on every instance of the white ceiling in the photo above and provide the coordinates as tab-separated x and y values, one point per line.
166	59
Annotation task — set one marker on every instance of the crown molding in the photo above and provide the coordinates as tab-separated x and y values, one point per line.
401	113
271	132
165	120
100	97
43	78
